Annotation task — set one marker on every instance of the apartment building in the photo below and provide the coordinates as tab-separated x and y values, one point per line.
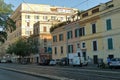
27	14
97	34
41	36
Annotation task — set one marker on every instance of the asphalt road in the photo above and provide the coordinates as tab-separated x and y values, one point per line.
76	73
10	75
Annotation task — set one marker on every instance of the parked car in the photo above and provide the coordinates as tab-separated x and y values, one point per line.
52	62
45	62
114	63
64	61
3	61
58	61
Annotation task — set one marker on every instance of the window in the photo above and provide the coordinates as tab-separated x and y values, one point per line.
27	16
28	33
78	45
45	40
45	17
94	45
45	49
53	17
61	49
69	34
54	38
82	31
83	45
93	28
95	10
61	18
110	6
28	24
55	50
44	29
110	43
70	48
36	17
85	14
77	32
60	37
108	24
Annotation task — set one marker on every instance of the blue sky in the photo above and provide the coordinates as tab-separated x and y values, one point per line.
79	4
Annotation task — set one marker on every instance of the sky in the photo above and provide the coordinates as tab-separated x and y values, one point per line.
79	4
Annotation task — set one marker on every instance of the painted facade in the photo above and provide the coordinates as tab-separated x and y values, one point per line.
26	15
96	33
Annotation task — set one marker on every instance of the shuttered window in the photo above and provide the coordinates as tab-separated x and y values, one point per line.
108	24
110	43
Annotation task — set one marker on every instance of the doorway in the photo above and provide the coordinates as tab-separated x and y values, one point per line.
95	59
111	56
84	55
37	61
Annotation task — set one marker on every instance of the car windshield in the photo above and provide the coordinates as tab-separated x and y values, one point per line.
115	59
52	60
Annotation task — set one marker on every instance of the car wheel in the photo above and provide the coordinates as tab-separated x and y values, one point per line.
111	67
80	64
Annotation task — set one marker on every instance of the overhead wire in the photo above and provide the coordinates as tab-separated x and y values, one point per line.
80	3
28	5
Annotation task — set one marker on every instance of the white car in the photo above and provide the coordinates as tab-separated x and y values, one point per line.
114	62
52	62
3	61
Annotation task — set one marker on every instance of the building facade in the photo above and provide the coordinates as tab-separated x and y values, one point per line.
27	14
42	37
96	34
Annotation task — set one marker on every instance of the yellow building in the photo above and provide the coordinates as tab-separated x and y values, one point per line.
27	14
97	33
42	37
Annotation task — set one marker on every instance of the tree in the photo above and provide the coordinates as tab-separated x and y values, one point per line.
73	17
11	48
78	14
20	48
34	45
6	23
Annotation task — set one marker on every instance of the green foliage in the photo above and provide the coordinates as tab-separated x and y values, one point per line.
11	48
34	45
6	23
58	25
78	13
5	8
20	48
3	36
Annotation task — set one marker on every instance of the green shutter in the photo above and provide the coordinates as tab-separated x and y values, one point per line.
110	44
108	24
67	35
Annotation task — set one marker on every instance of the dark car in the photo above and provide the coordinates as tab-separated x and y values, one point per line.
45	62
64	61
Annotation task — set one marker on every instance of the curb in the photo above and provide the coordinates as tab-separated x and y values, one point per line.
51	77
